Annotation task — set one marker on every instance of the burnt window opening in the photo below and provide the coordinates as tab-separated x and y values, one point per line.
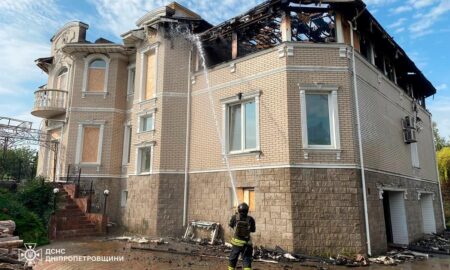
365	48
217	50
313	27
263	34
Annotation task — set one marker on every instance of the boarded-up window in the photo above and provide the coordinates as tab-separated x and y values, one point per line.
90	144
150	75
246	195
61	80
96	76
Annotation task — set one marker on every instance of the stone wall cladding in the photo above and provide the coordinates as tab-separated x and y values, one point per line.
327	211
155	204
412	207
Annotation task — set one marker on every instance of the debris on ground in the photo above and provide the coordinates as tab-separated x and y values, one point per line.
9	246
358	260
203	232
433	243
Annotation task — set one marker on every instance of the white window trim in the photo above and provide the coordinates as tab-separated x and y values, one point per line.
80	138
143	67
87	61
144	114
129	84
138	159
234	100
333	111
126	143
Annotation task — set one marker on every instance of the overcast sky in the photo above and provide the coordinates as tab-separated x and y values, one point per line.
421	27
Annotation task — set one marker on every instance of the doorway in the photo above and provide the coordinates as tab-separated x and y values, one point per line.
395	217
428	218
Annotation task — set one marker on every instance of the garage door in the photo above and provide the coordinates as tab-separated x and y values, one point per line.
398	218
429	222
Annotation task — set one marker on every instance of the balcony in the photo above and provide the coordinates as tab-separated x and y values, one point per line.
49	103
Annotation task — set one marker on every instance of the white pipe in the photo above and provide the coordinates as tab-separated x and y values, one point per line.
437	173
186	158
361	157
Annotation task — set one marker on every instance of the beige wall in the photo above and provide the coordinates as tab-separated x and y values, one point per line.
382	106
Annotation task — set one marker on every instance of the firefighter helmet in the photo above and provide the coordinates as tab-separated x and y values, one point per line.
242	208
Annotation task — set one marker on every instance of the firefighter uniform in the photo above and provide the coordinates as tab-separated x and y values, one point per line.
243	225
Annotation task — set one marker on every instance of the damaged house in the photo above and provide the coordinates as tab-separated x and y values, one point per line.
318	113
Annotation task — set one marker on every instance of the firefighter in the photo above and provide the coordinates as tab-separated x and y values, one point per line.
243	225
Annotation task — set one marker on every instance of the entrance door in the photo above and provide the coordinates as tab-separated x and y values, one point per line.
429	222
395	217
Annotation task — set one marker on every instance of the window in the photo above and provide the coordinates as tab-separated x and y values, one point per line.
246	195
89	143
146	123
144	160
242	124
320	126
148	78
96	75
61	80
415	155
124	198
131	79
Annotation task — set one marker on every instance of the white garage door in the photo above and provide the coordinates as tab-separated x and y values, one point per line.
429	222
398	218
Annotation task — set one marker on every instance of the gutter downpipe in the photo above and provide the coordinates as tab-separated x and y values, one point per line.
361	158
188	126
437	174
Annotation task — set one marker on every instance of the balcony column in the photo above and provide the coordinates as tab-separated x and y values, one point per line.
286	32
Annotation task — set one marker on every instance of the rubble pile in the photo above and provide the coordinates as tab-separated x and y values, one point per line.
435	243
9	245
395	257
358	260
276	254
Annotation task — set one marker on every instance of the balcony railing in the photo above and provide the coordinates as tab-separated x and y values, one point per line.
49	102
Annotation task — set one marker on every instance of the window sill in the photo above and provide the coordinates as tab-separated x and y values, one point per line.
307	151
142	102
91	93
143	174
146	132
257	153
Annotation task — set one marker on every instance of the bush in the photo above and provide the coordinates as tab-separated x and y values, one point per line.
37	196
28	225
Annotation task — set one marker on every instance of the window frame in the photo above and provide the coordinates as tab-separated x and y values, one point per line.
139	148
333	112
244	190
80	141
87	62
227	103
143	72
123	198
126	151
150	113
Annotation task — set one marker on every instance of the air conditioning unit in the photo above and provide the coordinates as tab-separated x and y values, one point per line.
408	123
409	136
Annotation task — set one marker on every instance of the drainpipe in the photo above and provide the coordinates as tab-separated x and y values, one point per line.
437	174
188	126
361	157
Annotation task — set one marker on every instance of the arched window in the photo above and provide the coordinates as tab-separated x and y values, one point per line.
96	75
61	79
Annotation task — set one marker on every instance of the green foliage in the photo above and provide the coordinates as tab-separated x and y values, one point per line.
28	225
37	196
18	163
440	142
443	159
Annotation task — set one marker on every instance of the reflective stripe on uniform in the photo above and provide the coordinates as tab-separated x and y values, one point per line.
238	242
245	268
232	268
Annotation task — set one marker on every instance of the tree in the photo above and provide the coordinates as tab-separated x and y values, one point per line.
443	159
440	142
19	163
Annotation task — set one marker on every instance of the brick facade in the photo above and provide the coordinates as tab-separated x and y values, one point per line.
306	200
